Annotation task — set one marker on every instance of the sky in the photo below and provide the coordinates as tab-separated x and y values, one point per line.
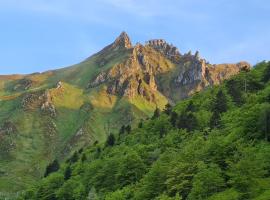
39	35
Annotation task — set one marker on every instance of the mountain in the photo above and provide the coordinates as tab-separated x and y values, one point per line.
49	115
211	146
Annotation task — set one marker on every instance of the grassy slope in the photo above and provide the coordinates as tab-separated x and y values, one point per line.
36	144
162	162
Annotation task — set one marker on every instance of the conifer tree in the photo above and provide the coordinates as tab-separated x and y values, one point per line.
52	167
156	113
110	140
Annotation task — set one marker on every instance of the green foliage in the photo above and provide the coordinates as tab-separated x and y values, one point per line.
207	181
219	107
48	188
213	146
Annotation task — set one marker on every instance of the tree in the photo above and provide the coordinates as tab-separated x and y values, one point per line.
52	167
71	189
75	157
173	119
206	182
140	125
84	158
234	88
110	140
219	107
264	123
190	107
128	129
168	109
67	173
187	120
92	195
266	76
122	130
131	169
179	179
156	113
220	103
48	187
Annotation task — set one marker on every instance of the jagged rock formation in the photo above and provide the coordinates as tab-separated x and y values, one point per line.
141	74
168	50
47	105
23	84
123	41
42	101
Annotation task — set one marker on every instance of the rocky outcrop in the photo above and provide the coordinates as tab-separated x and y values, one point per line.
31	101
168	50
123	41
141	74
23	84
39	100
135	76
8	133
47	105
8	128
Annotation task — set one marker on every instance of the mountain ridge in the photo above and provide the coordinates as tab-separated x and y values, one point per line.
60	111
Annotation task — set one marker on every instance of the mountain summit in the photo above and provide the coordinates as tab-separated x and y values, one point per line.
123	41
52	114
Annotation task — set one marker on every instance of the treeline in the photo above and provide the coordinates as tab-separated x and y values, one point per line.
213	146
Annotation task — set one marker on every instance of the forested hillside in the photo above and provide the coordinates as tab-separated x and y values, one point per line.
212	146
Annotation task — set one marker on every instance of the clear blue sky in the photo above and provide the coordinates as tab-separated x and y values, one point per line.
38	35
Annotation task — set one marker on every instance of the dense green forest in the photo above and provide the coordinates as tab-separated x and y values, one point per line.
214	146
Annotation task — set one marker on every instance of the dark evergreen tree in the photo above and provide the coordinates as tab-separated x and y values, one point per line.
220	103
264	124
67	173
110	140
52	167
84	158
140	125
168	109
234	88
219	107
156	113
80	150
128	129
266	76
122	130
187	121
75	157
190	107
173	119
215	120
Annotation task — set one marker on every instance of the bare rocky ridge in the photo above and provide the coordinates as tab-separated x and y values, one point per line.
168	50
123	41
142	73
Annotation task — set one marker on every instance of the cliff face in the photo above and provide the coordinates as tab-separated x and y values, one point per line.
148	65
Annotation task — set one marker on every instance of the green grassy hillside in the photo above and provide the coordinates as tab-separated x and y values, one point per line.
213	146
50	115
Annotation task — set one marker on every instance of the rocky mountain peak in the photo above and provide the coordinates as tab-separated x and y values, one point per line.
169	50
123	41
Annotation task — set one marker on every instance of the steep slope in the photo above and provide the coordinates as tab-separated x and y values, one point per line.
49	115
212	146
